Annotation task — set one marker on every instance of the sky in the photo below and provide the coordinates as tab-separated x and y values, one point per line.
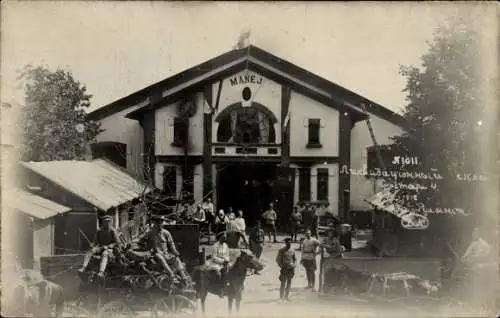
117	48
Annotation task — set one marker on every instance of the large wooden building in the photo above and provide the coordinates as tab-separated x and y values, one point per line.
248	127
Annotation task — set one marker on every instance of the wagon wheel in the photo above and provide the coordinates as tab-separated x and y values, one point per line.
115	308
174	306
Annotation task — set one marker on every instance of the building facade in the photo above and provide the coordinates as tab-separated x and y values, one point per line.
248	128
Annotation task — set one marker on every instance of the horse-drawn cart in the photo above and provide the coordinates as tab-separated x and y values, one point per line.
139	287
132	291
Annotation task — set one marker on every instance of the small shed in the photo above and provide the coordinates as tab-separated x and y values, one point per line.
99	183
36	229
90	189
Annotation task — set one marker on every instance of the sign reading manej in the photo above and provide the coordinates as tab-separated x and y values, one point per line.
246	79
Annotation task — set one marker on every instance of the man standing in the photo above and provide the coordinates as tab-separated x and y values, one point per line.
105	240
208	207
240	226
307	216
270	217
256	241
308	260
221	221
316	211
240	222
286	261
295	220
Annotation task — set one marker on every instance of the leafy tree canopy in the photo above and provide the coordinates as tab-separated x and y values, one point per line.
55	122
445	117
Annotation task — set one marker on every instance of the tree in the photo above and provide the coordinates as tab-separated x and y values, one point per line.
55	122
445	119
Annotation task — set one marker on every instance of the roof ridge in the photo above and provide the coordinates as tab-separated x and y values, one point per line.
251	51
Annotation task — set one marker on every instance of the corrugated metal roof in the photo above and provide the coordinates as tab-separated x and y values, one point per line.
98	182
32	204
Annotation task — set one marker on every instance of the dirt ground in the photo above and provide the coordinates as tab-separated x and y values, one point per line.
261	298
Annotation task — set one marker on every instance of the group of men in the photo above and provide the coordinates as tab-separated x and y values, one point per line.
159	244
311	247
156	242
306	215
222	221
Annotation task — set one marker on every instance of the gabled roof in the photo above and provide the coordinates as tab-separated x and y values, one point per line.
99	182
33	205
236	61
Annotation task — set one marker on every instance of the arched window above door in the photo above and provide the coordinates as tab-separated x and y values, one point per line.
242	125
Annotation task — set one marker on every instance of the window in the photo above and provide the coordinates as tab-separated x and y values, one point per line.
170	181
313	136
322	184
180	131
246	125
304	184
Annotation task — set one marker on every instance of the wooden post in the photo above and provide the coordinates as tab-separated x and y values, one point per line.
207	142
321	273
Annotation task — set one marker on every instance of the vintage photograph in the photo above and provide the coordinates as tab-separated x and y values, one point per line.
265	159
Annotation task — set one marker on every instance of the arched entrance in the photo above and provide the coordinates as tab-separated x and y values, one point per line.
246	184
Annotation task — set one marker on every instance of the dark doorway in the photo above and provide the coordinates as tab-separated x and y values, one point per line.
249	187
74	232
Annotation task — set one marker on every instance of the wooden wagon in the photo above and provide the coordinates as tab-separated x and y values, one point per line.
117	295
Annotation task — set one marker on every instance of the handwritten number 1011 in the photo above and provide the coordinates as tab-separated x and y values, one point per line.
397	160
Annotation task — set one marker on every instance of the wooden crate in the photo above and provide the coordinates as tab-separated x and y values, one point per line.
62	270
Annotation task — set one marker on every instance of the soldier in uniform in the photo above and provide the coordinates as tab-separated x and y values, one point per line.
270	217
164	249
105	240
287	262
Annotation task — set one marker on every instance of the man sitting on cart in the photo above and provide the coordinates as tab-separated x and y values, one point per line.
105	240
164	249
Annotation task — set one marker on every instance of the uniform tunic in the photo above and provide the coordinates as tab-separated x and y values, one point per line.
106	237
309	252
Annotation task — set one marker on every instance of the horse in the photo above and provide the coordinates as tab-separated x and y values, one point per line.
207	281
37	296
